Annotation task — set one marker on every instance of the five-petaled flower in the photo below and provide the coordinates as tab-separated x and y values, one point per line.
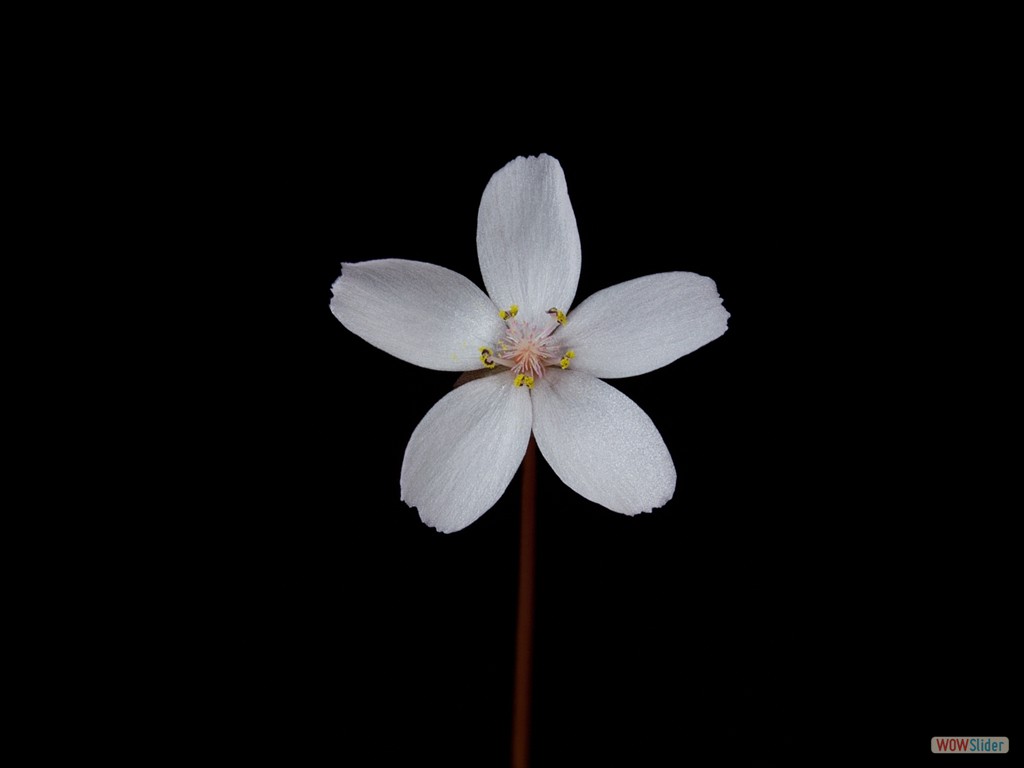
540	366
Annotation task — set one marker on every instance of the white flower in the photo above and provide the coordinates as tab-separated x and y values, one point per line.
541	361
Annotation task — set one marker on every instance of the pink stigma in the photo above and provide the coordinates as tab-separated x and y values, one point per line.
527	348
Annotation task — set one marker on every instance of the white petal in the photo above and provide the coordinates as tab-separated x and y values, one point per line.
464	453
644	324
601	444
422	313
527	239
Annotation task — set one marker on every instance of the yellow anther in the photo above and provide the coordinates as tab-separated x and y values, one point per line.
485	357
522	378
566	359
503	314
512	311
559	314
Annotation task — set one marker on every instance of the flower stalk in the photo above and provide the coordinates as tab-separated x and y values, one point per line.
524	618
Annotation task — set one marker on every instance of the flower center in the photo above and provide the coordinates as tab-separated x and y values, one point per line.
527	349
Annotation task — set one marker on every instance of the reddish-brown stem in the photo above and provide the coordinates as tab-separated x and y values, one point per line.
524	619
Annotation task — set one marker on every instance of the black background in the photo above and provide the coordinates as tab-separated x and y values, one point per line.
831	578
